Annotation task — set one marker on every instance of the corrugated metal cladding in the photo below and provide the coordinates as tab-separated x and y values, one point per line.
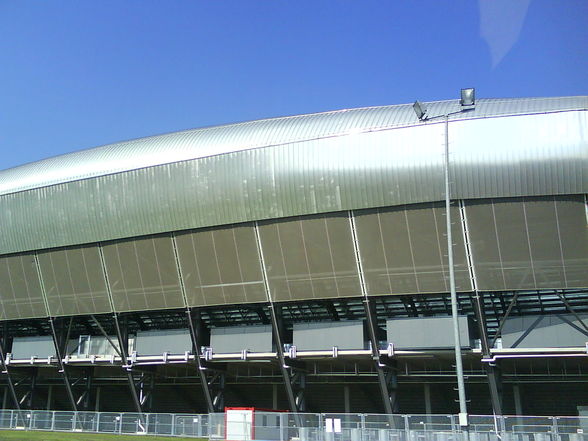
515	243
199	143
526	155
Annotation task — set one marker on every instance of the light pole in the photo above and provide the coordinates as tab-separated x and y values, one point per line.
467	102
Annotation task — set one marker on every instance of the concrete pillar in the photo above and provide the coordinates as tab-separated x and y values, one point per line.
427	391
346	399
49	397
97	407
517	399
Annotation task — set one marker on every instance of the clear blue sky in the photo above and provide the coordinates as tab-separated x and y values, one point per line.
77	74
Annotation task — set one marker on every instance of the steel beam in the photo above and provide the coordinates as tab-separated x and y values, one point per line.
30	395
212	385
6	372
372	324
571	309
195	336
503	319
123	346
292	380
388	396
293	376
286	368
123	342
84	398
492	369
107	337
60	343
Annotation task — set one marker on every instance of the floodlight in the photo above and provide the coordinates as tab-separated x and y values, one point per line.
420	110
468	97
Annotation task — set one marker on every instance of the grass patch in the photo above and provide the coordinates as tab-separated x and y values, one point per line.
21	435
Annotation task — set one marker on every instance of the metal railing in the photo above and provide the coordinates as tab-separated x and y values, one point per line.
285	426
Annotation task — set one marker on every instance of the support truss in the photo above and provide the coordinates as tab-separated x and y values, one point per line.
385	367
293	371
493	371
60	339
212	376
6	372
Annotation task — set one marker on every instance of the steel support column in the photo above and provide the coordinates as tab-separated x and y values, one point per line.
287	367
504	318
386	377
213	385
84	398
123	346
492	369
571	309
5	371
146	386
292	372
380	364
193	318
123	342
60	343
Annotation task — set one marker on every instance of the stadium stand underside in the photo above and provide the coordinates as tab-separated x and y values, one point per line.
300	263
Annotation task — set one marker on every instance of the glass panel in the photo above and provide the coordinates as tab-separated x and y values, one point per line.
20	289
484	245
142	274
404	249
529	243
310	257
546	252
74	281
573	232
221	266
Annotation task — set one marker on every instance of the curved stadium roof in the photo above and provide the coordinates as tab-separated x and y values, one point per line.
333	161
199	143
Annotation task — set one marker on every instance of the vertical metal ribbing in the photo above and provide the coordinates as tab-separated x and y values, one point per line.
275	326
105	275
179	270
357	255
41	284
262	262
371	320
58	351
193	334
467	243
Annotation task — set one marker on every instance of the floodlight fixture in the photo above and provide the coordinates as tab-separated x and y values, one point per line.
420	110
468	97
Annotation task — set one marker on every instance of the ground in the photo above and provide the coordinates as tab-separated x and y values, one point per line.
19	435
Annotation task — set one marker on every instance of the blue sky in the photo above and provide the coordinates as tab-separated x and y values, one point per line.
77	74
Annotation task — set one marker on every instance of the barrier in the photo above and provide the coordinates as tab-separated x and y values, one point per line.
269	426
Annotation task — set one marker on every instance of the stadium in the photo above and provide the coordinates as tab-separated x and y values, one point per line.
300	263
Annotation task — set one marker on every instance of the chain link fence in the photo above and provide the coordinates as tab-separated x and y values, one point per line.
286	426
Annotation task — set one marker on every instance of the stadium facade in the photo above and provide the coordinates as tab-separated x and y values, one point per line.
303	259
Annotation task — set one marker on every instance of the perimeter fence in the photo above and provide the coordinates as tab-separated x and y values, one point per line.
286	426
